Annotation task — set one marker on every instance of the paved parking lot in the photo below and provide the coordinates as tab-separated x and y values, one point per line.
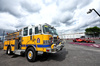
71	55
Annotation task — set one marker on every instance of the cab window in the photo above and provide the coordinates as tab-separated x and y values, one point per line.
36	30
30	31
25	32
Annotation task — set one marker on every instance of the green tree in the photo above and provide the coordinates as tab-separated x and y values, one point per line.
94	31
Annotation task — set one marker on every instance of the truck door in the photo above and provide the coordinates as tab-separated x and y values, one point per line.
24	39
38	37
31	36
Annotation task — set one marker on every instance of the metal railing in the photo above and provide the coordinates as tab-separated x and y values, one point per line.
11	36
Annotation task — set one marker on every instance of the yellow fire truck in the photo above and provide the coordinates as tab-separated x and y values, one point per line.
33	39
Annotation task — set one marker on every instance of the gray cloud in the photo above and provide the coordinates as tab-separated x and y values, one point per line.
90	23
11	7
46	2
72	7
6	31
94	22
68	10
67	19
64	18
30	7
55	23
83	3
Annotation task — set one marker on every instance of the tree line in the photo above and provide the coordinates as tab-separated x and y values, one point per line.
93	31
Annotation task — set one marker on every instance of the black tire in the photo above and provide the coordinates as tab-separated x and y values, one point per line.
33	53
45	54
9	52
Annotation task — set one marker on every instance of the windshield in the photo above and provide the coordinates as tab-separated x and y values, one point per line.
49	30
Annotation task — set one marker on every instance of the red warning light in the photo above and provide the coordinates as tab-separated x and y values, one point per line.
7	33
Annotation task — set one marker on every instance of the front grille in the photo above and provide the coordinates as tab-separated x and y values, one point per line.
46	42
55	39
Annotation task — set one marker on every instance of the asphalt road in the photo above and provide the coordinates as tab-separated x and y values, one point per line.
71	55
97	41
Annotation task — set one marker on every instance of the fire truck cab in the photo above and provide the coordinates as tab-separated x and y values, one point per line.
33	39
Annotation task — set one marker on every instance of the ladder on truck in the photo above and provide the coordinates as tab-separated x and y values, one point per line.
12	36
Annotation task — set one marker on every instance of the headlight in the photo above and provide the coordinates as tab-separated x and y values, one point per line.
47	41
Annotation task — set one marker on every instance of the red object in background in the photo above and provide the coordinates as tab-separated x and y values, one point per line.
7	33
90	41
79	40
83	40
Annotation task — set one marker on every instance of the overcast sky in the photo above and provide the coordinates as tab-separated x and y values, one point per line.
67	16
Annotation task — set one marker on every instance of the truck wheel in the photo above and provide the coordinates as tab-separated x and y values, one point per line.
9	51
31	54
45	54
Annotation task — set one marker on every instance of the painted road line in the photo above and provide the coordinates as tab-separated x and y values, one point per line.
87	44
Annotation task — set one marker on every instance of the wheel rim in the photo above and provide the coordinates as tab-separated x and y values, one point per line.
30	54
8	51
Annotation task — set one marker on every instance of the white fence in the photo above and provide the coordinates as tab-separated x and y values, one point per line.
77	35
73	35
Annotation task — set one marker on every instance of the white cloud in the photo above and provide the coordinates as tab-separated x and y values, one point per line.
66	15
7	21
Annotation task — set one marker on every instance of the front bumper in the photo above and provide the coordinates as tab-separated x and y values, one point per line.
56	49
